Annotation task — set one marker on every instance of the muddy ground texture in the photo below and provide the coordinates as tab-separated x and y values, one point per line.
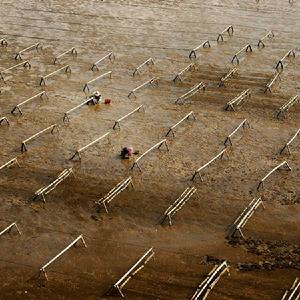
264	264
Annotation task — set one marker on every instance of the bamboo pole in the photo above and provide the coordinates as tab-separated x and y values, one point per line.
294	292
71	51
2	119
245	215
49	128
210	281
3	43
117	122
238	100
228	29
24	64
246	48
109	56
139	265
178	204
278	167
186	117
113	193
79	151
261	43
227	76
290	53
43	268
66	68
8	228
17	107
86	85
50	187
147	63
10	163
67	113
272	81
153	82
34	46
243	124
198	171
179	75
193	54
193	91
158	145
285	107
287	145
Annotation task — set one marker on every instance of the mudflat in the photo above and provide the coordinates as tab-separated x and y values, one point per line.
264	263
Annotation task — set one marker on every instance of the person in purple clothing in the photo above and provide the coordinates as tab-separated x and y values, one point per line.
126	152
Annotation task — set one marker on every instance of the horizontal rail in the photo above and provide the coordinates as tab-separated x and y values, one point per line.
24	64
49	128
290	53
158	145
178	204
42	269
179	75
243	124
117	122
113	193
153	82
78	152
272	81
197	172
50	187
193	54
2	119
66	68
261	183
186	117
285	107
17	107
244	219
109	56
8	228
238	100
67	113
246	214
246	48
213	277
261	43
72	51
294	292
229	30
287	145
3	42
132	271
86	85
148	62
227	76
10	163
194	90
34	46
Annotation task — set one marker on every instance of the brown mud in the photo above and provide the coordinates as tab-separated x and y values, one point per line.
263	265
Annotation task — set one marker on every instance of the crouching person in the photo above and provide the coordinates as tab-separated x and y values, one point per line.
95	98
126	152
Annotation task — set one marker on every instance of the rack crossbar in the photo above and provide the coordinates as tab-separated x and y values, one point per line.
158	145
198	171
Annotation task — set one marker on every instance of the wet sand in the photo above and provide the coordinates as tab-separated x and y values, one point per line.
263	265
